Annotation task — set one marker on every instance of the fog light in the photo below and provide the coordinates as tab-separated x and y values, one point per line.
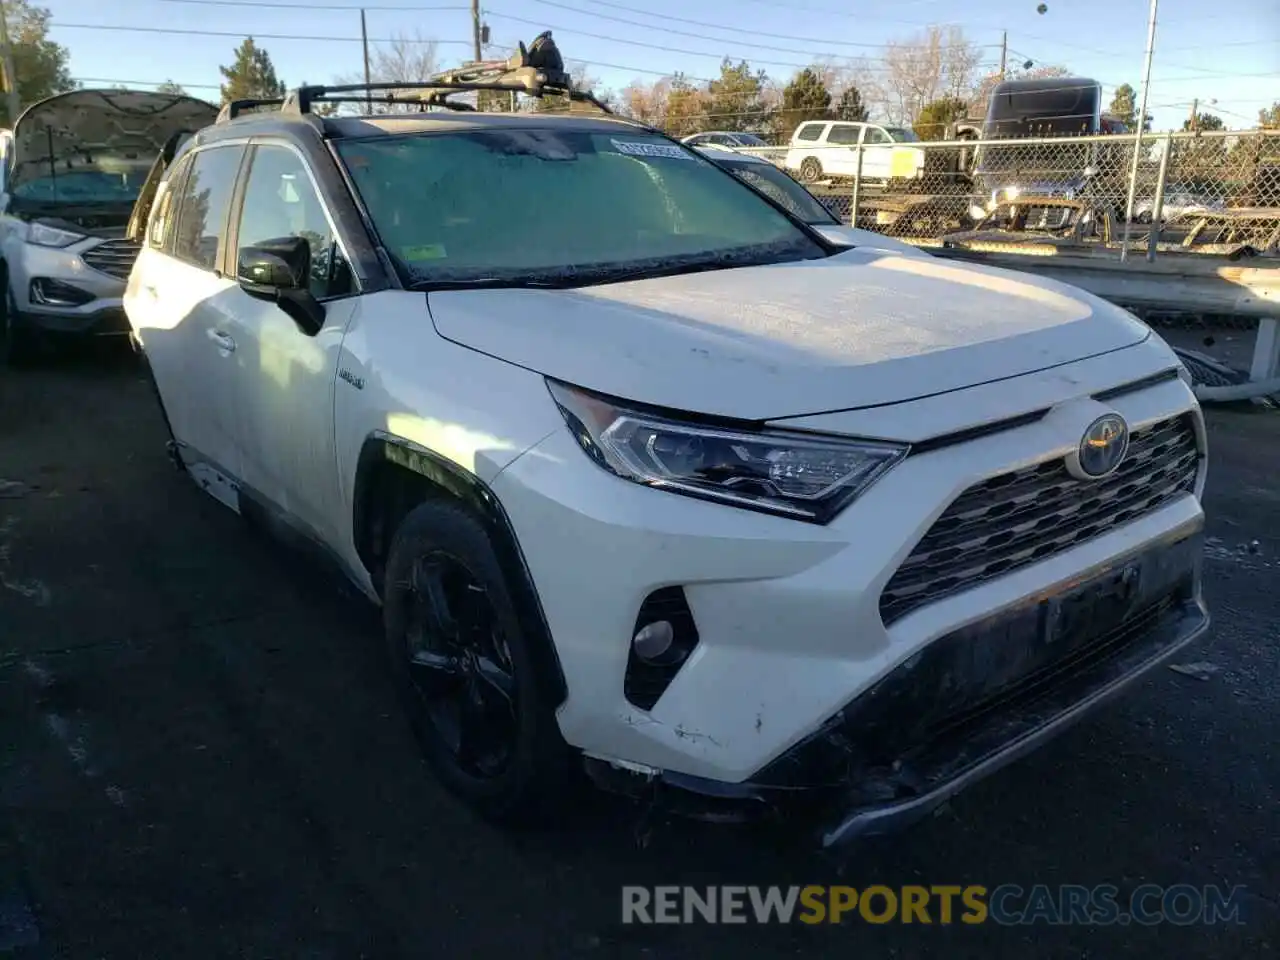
653	640
55	293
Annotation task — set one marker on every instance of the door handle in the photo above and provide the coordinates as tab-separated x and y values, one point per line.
223	341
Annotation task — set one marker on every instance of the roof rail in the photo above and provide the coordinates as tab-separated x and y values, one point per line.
536	70
237	108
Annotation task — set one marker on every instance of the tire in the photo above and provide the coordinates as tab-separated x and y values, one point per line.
19	346
810	170
441	570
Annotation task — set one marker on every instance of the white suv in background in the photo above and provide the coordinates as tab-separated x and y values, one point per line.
822	149
73	167
649	476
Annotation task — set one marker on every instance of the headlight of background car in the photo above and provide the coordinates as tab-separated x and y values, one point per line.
47	236
791	474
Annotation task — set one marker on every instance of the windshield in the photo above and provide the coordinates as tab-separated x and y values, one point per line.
98	179
780	188
902	135
560	206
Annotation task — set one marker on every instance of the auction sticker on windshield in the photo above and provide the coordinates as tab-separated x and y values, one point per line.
639	149
430	251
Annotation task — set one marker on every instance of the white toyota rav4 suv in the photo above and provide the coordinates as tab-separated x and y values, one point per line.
650	478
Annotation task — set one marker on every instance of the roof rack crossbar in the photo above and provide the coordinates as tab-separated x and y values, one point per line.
536	70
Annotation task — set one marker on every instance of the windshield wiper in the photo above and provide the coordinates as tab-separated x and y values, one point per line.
569	278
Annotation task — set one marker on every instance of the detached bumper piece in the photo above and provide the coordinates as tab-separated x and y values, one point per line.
982	696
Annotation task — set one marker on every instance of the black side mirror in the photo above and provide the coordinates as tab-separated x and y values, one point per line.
282	264
278	271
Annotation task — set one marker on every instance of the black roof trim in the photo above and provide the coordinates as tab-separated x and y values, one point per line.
238	108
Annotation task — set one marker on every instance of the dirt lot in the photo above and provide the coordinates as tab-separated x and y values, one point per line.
200	756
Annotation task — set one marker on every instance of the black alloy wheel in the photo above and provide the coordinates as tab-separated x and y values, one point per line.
460	665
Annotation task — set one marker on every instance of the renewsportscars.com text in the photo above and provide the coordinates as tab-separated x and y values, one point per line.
1008	904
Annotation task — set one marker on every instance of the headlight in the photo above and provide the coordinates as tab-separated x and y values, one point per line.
47	236
790	474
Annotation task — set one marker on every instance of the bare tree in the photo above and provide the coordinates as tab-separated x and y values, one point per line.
938	62
579	79
403	60
984	86
647	102
860	74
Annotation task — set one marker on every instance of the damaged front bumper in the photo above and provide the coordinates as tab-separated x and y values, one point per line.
972	701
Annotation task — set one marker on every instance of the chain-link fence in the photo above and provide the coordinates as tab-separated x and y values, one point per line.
1213	192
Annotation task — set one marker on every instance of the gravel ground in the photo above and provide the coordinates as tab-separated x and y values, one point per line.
200	755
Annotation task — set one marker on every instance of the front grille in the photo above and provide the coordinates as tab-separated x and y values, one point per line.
114	257
1019	518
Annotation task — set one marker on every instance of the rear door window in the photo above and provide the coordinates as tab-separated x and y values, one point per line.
843	133
203	204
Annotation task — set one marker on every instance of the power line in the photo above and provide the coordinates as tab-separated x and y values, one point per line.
311	6
716	26
656	46
636	43
862	17
830	12
241	34
595	63
1208	72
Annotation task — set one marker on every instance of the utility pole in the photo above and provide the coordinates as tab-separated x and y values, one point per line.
475	29
10	75
1193	121
364	42
1004	53
1137	139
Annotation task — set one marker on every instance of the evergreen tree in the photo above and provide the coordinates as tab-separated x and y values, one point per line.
851	106
251	76
1204	121
734	101
42	66
804	98
932	121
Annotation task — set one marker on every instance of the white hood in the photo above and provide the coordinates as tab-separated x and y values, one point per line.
859	329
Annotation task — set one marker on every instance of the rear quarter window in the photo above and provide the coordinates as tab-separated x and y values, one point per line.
809	131
158	227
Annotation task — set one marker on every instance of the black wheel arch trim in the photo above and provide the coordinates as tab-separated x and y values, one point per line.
460	484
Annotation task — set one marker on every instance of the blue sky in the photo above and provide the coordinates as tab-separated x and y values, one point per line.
1228	52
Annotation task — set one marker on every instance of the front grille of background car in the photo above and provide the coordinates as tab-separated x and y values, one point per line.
114	257
1019	518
